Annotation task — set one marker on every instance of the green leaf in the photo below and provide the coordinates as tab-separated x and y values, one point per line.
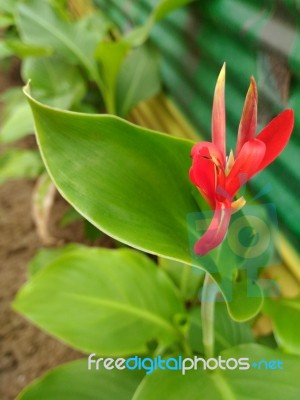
188	279
17	119
54	81
139	78
140	34
71	215
100	295
73	381
17	125
285	314
231	384
165	7
39	25
110	56
23	50
5	21
132	184
18	164
46	256
8	6
5	51
228	333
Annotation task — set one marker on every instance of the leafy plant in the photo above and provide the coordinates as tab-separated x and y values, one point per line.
132	183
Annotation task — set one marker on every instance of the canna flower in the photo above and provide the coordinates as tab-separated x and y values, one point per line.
219	178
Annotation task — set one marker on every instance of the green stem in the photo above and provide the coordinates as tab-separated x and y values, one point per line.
109	100
186	270
209	292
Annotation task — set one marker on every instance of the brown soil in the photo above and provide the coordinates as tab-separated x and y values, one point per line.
25	352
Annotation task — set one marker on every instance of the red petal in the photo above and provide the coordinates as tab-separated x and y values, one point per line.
247	127
203	175
213	152
276	136
216	231
245	166
218	125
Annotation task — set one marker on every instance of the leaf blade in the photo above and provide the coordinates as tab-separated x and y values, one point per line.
104	294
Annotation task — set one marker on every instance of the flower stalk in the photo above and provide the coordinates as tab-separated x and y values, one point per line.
208	298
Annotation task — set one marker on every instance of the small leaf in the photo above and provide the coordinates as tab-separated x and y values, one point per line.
110	56
23	50
165	7
55	82
17	119
140	34
74	381
5	21
18	164
5	51
100	295
285	314
71	215
139	78
8	6
40	25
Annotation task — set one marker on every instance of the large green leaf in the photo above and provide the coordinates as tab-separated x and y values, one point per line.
46	72
228	333
39	24
18	164
285	314
73	381
256	383
99	296
132	184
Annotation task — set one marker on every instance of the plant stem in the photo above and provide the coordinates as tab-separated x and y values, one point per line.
186	270
187	348
209	291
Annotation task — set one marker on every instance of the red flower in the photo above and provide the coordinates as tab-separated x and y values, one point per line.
219	178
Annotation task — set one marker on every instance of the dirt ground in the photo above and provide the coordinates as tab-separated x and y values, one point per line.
25	352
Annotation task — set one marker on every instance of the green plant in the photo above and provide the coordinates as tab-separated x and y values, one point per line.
133	184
